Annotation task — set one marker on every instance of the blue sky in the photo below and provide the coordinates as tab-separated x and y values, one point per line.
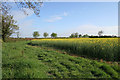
65	18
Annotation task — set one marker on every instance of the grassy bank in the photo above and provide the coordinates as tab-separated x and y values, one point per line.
25	61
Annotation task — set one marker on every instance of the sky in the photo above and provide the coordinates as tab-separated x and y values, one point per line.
65	18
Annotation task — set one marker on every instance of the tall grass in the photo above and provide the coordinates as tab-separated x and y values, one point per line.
101	48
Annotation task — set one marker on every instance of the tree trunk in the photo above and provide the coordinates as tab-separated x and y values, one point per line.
3	38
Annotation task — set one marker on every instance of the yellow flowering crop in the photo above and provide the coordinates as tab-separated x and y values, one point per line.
102	48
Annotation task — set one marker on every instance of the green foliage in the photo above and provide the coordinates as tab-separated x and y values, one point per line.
109	70
36	34
74	35
86	36
45	34
54	35
8	26
80	35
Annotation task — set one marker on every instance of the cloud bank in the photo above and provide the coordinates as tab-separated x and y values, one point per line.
20	15
91	30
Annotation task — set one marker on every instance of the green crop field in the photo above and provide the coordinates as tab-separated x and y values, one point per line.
101	48
40	59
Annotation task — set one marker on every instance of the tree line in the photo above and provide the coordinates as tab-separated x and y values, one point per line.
54	35
45	34
73	35
9	27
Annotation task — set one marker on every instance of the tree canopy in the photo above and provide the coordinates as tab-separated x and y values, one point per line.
74	35
8	26
45	34
86	36
36	34
54	35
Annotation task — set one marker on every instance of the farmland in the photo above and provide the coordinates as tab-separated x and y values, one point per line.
101	48
59	40
50	58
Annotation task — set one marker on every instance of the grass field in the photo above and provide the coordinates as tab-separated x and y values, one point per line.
21	60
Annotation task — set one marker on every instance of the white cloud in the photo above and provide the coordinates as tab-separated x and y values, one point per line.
20	15
42	5
26	29
56	17
65	14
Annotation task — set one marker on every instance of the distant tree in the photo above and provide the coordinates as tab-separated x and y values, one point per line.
18	34
53	35
72	35
100	33
8	26
45	34
80	35
86	36
76	35
36	34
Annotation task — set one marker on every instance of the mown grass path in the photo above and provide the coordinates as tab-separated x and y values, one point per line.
24	61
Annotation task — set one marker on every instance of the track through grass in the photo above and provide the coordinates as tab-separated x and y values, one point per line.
24	61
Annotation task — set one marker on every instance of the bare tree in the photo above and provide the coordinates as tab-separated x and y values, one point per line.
100	33
18	34
35	6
